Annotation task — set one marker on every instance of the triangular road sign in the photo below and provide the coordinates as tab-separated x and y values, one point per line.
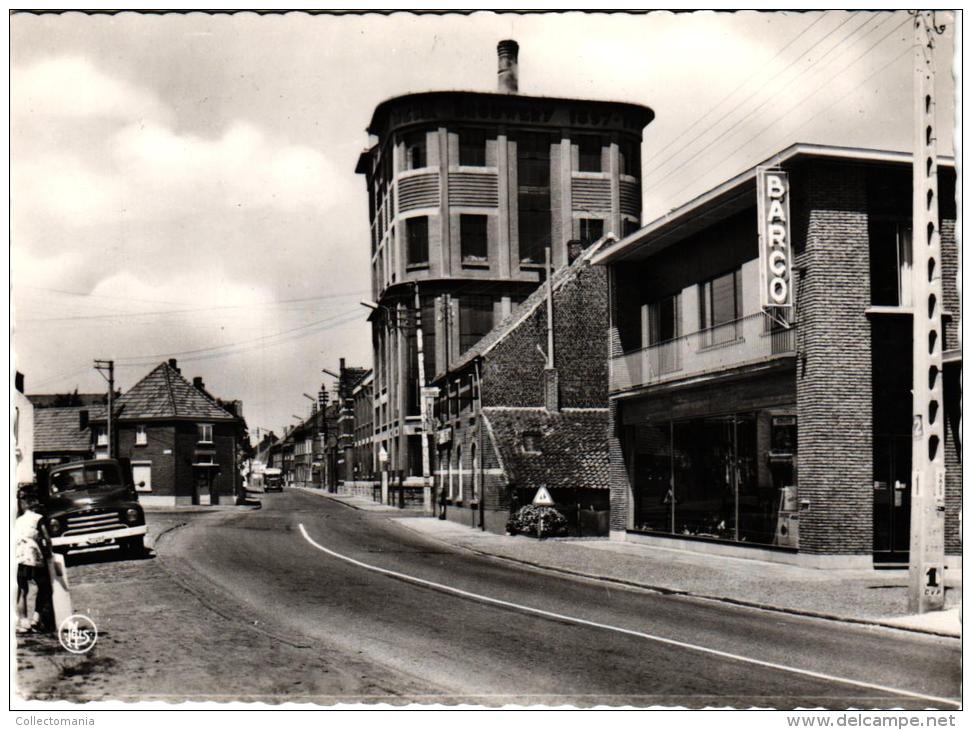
543	498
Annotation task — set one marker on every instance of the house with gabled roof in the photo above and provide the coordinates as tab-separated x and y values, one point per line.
183	442
62	434
526	407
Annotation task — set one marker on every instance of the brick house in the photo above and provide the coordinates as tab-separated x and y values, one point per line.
509	424
183	443
732	433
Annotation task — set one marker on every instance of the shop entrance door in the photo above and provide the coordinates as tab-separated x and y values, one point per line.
892	499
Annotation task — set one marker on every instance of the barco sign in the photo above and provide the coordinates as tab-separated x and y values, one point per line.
773	208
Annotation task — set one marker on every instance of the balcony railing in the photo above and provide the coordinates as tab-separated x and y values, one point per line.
751	339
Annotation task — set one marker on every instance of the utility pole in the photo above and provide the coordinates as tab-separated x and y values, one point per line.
926	578
423	408
101	366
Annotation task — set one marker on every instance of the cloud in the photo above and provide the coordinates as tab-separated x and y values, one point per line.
141	191
72	88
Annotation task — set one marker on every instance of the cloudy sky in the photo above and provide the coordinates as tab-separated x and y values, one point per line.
183	185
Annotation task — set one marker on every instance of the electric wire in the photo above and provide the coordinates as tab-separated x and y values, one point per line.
725	135
714	165
674	153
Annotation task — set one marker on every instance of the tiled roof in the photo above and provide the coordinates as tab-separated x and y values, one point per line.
164	393
571	446
526	307
59	429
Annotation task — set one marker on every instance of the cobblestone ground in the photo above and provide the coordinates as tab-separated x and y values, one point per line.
163	639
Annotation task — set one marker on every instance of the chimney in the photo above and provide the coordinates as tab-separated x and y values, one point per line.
551	390
197	383
173	365
507	74
575	247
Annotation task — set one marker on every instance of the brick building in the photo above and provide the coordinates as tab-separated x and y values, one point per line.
466	190
508	423
183	443
734	432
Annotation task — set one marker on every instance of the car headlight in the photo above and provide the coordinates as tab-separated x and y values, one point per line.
131	516
54	526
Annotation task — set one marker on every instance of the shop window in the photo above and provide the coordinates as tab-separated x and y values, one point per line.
720	306
472	147
415	149
141	436
705	478
589	153
473	242
890	263
591	230
475	320
417	235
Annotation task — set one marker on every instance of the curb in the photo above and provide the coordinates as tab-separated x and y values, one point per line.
689	594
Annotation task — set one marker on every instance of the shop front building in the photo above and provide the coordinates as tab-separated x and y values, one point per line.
780	432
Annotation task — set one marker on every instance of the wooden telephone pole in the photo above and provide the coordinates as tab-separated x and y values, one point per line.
101	366
926	579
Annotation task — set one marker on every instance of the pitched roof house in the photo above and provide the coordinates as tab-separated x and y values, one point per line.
183	442
510	423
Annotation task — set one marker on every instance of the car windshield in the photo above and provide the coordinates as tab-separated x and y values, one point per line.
85	478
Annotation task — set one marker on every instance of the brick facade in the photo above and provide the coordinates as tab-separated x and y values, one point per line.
852	361
834	363
510	374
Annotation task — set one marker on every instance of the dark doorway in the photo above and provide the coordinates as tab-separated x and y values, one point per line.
892	499
891	381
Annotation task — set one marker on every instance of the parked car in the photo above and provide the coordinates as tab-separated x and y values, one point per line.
92	503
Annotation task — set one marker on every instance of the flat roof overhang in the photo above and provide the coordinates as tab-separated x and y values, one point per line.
732	196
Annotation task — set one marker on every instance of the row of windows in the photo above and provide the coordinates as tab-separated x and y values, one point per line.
455	473
721	297
473	238
472	151
204	431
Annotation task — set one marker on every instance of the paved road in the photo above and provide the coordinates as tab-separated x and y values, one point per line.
457	647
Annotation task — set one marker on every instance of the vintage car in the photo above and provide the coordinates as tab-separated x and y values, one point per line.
91	503
272	480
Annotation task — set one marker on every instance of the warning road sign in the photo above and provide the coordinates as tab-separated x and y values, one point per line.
543	498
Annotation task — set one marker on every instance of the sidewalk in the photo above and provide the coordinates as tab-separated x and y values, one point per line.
860	596
364	503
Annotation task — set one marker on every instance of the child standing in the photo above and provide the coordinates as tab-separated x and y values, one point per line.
30	559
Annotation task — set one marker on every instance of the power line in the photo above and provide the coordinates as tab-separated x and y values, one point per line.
724	99
121	315
738	106
770	98
798	103
143	359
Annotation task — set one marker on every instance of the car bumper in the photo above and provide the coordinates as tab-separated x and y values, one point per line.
108	537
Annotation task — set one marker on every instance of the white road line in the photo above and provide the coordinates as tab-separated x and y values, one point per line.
629	632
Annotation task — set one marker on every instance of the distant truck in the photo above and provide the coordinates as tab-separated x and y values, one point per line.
272	480
91	503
